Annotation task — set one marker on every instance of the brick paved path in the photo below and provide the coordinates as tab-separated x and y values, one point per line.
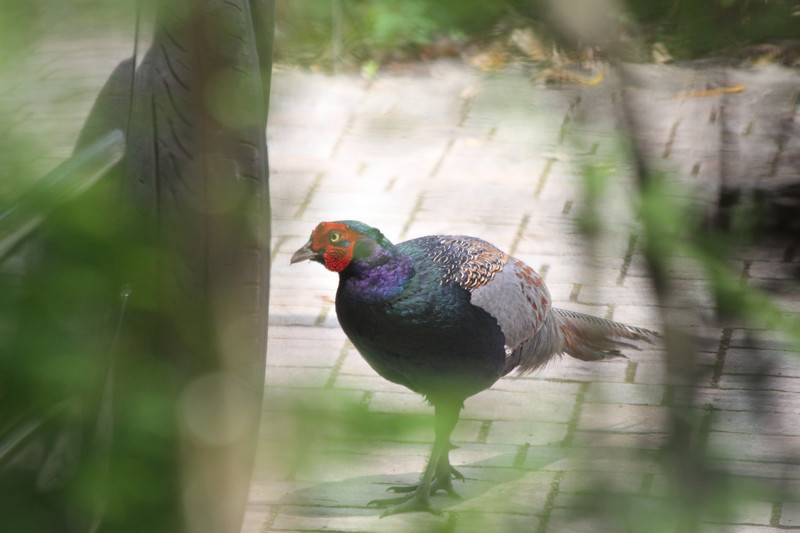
445	149
441	149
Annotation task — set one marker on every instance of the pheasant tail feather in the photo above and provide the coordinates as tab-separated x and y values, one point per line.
590	338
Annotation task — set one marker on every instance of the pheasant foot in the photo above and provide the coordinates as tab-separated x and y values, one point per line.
440	482
410	503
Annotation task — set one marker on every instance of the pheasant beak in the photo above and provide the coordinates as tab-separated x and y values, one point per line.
305	253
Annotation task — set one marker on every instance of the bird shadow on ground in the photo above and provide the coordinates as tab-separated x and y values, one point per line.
350	497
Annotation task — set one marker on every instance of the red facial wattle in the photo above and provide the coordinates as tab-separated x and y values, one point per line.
336	259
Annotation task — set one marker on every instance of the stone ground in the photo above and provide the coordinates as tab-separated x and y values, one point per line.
442	148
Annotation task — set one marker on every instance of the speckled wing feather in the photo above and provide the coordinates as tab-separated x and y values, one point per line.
467	261
506	288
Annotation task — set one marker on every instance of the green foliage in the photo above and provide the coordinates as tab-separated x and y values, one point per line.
88	421
596	179
310	30
59	318
694	487
16	25
692	29
396	24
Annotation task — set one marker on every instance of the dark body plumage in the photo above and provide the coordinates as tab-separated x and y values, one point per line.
409	322
447	316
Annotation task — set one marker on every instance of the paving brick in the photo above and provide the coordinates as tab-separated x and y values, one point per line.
601	461
632	441
535	385
305	142
316	334
790	514
469	159
293	88
773	401
736	513
256	518
534	432
753	447
304	352
355	364
762	362
549	405
753	512
371	383
610	482
625	393
272	493
738	528
344	464
760	339
623	418
399	399
505	520
643	316
485	460
570	520
772	270
756	422
594	294
303	519
522	493
782	473
300	377
568	368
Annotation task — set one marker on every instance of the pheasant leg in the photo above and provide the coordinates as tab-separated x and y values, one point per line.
437	474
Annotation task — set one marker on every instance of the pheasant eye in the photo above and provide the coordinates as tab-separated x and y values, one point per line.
334	237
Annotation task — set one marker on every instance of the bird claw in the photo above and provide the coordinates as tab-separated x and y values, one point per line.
405	504
387	502
439	483
435	487
402	489
446	484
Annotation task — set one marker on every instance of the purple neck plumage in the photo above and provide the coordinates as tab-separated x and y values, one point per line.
379	276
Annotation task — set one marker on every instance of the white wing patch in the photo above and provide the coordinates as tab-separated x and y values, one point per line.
517	299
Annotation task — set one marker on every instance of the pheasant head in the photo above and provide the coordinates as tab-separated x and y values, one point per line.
337	245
